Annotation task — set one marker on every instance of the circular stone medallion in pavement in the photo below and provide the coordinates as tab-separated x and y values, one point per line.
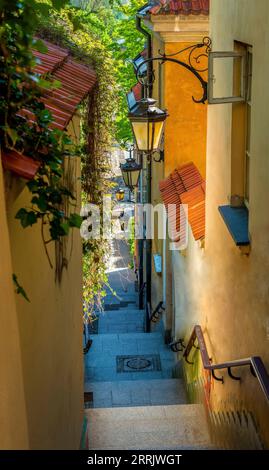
138	363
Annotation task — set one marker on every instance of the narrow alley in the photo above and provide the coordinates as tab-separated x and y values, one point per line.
137	404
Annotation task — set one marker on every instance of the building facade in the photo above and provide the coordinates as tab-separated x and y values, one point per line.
215	161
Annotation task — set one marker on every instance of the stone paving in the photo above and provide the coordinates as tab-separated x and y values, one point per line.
137	404
121	337
137	393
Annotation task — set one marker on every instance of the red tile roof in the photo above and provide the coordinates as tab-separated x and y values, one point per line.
185	186
180	7
144	53
77	80
19	164
137	91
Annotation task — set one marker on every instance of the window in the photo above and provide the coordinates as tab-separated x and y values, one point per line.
248	127
230	81
222	85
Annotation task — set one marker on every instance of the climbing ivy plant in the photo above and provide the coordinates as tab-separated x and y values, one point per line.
21	90
86	39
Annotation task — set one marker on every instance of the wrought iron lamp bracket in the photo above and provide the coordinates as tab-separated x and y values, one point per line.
192	64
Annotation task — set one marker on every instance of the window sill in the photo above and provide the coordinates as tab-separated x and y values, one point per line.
236	220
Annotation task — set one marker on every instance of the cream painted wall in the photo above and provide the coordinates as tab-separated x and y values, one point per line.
50	330
219	288
13	420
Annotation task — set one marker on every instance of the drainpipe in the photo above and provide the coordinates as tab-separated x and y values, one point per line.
140	249
164	263
149	48
148	92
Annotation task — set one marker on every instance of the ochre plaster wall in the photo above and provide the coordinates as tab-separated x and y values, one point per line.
218	287
185	129
13	420
50	329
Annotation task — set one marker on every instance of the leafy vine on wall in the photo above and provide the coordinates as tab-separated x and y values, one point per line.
97	133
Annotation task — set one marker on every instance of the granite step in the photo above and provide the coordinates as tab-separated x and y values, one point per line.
122	321
168	427
137	393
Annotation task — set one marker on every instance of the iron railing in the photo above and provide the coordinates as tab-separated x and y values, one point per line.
255	363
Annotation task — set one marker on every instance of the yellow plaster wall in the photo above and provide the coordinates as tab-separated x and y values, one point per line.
50	329
185	131
224	291
13	420
185	140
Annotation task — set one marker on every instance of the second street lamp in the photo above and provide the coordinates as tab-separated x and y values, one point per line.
147	122
120	194
130	173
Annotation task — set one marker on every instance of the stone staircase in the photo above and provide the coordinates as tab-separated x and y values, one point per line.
136	401
148	427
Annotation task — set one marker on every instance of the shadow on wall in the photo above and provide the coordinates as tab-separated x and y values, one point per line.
232	425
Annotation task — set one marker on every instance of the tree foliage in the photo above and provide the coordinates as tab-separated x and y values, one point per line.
126	44
114	24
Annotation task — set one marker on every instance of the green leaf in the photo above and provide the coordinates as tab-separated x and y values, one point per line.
40	46
12	134
19	289
27	218
58	4
45	83
65	226
75	220
43	9
40	202
56	84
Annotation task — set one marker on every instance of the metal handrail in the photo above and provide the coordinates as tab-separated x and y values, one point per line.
157	311
255	363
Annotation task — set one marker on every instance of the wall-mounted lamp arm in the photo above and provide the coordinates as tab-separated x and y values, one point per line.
189	66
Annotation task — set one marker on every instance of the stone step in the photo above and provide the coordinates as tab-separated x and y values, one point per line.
120	306
168	427
131	312
122	321
137	393
119	299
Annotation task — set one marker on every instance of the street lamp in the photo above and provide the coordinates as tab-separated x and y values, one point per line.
147	122
130	173
120	194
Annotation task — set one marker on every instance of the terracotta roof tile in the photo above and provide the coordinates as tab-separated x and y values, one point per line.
195	199
185	186
180	7
137	91
19	164
77	80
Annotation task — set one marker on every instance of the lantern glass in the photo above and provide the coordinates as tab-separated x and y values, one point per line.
147	122
120	194
134	175
125	176
148	135
130	173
